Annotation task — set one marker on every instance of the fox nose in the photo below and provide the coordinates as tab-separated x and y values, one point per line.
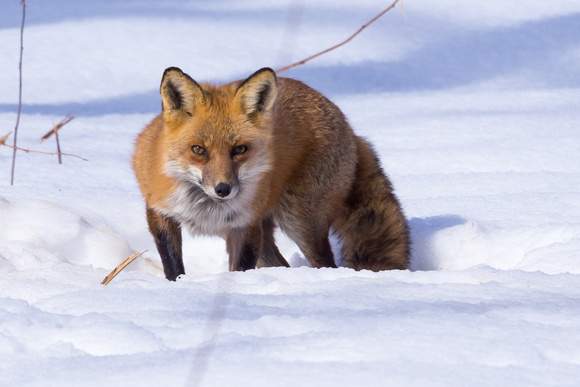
223	190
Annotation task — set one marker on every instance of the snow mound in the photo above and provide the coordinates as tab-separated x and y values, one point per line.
454	243
41	234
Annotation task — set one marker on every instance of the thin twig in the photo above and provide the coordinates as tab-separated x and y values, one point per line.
62	123
55	130
122	265
340	44
3	139
19	92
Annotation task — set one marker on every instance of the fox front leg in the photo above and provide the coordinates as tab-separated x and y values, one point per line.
270	254
245	247
167	235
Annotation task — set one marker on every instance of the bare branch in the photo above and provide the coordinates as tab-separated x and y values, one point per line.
3	142
54	131
340	44
122	265
19	92
56	127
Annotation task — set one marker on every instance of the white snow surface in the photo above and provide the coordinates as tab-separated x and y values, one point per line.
474	110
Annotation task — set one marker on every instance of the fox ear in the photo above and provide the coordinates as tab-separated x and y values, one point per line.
258	93
180	95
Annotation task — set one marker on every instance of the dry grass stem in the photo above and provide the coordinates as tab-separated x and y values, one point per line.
340	44
121	266
3	139
56	127
3	143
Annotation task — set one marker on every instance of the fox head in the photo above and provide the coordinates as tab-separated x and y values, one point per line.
217	137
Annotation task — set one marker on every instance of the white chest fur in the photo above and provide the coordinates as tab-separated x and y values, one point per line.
203	216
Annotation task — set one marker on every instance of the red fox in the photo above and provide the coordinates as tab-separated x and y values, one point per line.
241	159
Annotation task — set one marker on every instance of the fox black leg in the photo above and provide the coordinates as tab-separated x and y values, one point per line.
271	256
244	247
167	235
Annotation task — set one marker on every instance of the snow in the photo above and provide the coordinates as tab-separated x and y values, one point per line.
474	111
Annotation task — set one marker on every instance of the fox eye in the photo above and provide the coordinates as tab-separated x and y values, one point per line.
240	149
198	150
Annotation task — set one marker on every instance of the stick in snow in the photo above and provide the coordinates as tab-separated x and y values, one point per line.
54	131
3	142
64	121
19	93
121	266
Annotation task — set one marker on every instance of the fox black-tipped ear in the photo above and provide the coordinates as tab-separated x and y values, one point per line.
258	93
180	95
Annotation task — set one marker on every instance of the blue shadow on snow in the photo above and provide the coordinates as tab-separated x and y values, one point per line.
422	232
452	58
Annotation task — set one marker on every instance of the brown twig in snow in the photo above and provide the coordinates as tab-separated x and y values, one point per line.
62	123
54	131
19	92
340	44
121	266
3	142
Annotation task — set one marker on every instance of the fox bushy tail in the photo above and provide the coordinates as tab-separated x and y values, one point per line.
373	230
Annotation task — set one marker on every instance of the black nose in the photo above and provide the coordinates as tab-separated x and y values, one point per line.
223	190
